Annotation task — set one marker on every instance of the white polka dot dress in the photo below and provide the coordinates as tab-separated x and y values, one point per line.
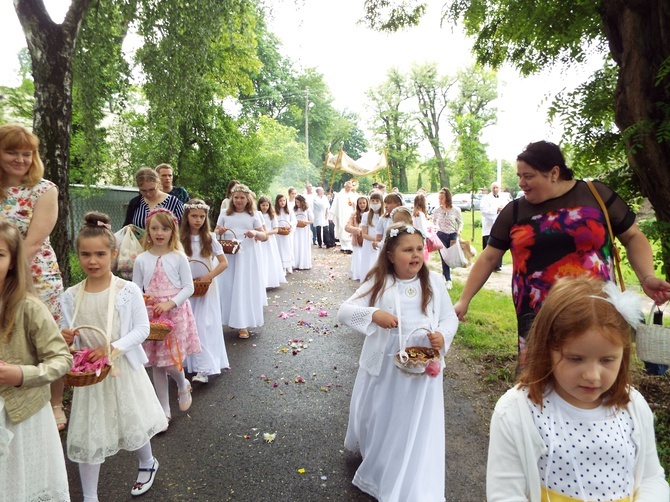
591	454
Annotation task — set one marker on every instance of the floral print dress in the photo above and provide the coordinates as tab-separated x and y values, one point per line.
17	207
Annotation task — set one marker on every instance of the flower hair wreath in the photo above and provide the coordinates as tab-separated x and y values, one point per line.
408	229
202	206
240	188
161	210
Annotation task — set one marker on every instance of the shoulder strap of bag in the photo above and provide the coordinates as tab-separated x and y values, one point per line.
615	250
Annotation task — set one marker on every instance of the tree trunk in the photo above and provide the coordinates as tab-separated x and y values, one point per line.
639	40
51	48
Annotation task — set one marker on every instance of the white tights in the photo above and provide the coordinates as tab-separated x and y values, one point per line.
160	375
89	473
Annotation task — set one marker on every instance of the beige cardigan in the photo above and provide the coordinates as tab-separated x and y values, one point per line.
38	347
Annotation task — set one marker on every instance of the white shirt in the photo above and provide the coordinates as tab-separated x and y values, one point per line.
490	207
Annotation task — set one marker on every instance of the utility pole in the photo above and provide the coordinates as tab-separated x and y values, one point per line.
307	121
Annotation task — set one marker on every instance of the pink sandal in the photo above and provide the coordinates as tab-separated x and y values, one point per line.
185	399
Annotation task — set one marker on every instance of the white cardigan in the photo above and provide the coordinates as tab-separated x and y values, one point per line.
515	446
356	313
133	319
176	268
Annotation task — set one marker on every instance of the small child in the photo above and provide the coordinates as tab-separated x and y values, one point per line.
397	420
163	272
121	412
274	272
200	244
353	227
242	290
285	218
573	428
370	248
303	234
32	466
391	201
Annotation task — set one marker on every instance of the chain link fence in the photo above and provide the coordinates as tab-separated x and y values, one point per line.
111	200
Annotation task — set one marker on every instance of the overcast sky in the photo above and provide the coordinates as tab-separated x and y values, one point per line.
325	34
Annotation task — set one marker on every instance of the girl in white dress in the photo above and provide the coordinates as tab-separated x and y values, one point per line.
396	420
420	218
122	411
573	428
32	355
391	201
201	246
242	289
285	218
274	271
369	223
302	241
353	227
163	272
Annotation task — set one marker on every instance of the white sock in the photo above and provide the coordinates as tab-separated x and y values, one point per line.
147	460
179	377
89	474
161	386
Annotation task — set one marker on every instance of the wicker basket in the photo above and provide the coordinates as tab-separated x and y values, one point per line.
200	286
652	341
89	377
158	331
418	359
284	229
230	246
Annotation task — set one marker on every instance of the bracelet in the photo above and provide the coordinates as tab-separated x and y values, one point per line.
645	278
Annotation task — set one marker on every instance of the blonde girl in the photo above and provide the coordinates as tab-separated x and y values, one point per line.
242	290
200	245
396	421
32	355
369	223
285	218
574	428
163	273
274	272
353	227
391	201
122	411
302	240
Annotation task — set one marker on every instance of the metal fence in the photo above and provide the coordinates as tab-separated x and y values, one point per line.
111	200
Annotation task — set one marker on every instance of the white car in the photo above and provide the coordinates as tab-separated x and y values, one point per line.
462	200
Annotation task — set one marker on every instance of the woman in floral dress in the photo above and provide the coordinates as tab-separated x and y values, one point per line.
31	203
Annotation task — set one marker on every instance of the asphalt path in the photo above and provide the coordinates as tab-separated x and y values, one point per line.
217	452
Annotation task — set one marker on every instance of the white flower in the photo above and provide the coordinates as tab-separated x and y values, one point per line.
410	230
269	438
393	232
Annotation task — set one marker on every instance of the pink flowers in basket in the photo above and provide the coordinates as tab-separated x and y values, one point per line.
83	365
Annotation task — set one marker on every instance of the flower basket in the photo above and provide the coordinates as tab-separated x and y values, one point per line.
76	378
652	341
159	330
284	227
200	286
417	359
230	246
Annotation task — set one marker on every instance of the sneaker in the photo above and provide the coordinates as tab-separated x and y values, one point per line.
449	285
243	333
200	378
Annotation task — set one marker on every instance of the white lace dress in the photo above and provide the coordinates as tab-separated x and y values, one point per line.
120	413
302	244
396	421
35	469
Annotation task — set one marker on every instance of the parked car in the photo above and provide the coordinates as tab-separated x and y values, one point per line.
462	200
476	200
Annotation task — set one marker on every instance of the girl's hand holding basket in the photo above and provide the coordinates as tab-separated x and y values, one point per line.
163	307
436	340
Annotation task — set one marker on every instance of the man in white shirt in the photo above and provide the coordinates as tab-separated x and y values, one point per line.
321	207
491	205
309	198
343	205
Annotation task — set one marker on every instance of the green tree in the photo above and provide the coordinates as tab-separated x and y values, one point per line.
393	125
431	91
